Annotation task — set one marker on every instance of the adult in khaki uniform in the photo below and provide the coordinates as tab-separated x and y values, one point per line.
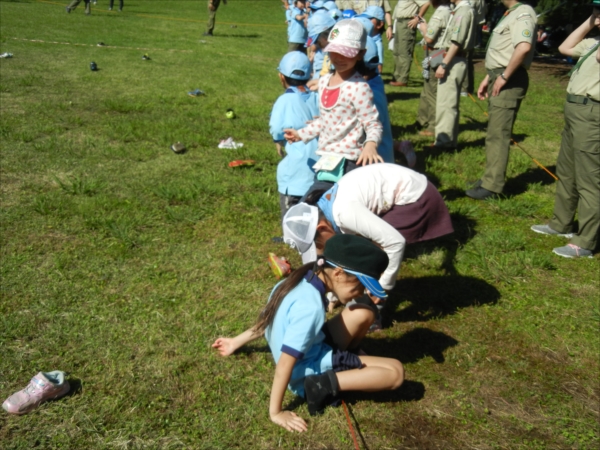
479	10
458	39
432	32
578	164
213	5
404	36
509	55
74	3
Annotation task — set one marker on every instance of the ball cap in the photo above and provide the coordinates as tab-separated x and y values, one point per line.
295	65
347	38
318	23
371	57
366	23
374	12
299	229
360	257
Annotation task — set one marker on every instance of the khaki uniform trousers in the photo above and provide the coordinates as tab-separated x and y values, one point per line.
447	107
502	112
404	45
210	26
578	171
426	112
74	3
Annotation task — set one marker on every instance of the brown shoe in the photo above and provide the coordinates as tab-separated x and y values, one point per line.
426	133
398	84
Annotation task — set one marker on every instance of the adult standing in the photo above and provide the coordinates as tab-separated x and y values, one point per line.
458	40
213	5
509	55
479	11
432	34
578	164
112	3
74	3
407	15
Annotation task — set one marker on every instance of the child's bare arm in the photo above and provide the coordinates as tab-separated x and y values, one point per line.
226	346
280	150
369	154
286	419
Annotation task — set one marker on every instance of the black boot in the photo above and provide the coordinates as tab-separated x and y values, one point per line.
320	390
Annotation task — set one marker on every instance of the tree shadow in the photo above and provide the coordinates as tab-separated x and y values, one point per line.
238	36
436	296
399	96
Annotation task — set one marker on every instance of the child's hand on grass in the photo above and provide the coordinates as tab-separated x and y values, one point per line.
290	421
291	135
369	155
225	346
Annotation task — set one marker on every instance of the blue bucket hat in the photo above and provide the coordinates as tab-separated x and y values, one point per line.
315	6
348	13
295	65
374	12
366	23
317	24
329	5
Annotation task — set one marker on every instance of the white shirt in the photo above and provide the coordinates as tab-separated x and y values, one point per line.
368	192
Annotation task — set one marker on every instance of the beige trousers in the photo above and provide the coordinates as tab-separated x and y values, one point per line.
447	103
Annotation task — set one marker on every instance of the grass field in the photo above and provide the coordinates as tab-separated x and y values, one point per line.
122	262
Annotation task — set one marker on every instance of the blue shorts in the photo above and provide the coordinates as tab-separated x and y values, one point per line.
341	359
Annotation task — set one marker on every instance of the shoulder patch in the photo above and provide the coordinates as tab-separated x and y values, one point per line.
456	29
526	33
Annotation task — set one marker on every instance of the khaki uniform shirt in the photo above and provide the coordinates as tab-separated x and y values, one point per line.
585	81
461	28
344	4
361	5
406	9
437	25
516	27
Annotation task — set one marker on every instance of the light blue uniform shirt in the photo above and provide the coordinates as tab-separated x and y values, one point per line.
296	330
386	148
379	46
294	173
297	32
318	63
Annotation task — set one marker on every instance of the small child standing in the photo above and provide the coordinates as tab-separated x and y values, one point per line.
376	15
348	125
297	32
293	109
315	358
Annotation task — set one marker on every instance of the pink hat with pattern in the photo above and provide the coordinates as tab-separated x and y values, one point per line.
347	38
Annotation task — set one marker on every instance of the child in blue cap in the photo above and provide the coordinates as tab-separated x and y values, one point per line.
315	358
319	26
293	109
297	27
376	15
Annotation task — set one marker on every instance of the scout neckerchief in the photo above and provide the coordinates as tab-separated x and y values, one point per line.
325	203
583	58
506	13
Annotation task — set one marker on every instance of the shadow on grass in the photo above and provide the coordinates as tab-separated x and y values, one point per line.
519	184
239	36
399	96
76	386
437	296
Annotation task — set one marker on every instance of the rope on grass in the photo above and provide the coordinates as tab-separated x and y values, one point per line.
356	446
41	41
517	144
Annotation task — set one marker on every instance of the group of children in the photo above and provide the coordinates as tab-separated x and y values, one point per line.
347	208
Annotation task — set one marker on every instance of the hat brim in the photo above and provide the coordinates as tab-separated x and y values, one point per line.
310	255
371	284
348	52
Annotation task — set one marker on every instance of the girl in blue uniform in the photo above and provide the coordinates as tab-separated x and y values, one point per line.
315	358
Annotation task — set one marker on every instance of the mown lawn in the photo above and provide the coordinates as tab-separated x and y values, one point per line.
122	262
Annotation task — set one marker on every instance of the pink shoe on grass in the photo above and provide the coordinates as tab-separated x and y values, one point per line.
43	387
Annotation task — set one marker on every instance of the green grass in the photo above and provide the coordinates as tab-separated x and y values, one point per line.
122	262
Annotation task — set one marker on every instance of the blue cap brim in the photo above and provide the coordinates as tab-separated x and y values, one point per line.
370	283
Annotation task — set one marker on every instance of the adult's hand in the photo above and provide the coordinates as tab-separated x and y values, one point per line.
440	72
412	23
482	92
498	85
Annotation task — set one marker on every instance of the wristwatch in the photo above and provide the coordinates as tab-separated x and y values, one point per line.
503	77
443	65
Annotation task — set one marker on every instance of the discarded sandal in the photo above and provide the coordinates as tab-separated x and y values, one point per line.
241	163
279	265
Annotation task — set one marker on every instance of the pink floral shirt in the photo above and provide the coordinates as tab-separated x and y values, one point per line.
348	118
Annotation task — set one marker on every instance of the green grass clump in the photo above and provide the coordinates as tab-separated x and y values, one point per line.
122	262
